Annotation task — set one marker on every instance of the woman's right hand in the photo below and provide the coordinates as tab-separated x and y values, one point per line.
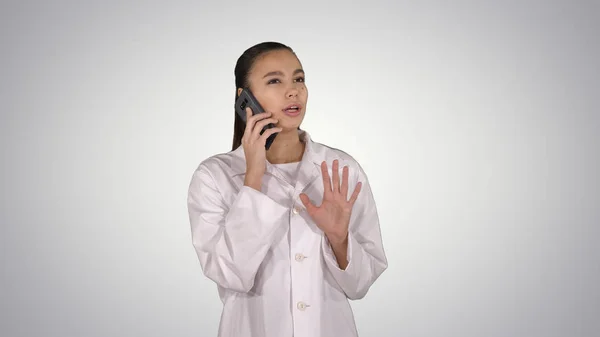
254	146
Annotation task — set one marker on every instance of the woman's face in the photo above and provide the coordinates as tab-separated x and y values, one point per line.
277	81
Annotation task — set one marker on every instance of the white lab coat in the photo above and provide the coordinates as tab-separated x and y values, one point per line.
274	269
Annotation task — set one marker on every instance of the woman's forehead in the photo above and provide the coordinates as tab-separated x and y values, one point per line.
283	61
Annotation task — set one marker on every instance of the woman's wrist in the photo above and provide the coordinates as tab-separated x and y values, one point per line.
336	239
254	181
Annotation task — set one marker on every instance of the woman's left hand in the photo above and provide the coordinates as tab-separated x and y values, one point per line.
333	215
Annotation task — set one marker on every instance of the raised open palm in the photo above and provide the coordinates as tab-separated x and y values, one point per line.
333	215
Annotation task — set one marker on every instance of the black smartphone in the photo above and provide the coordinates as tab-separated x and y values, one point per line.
247	99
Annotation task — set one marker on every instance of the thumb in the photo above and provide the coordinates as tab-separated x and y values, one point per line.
310	207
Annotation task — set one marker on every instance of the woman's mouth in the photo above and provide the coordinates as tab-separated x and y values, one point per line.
292	110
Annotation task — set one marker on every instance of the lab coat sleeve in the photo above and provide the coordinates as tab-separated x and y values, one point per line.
231	240
365	255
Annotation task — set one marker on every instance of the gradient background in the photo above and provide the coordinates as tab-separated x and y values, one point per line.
477	123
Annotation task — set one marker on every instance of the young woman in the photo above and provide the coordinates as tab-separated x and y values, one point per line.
289	234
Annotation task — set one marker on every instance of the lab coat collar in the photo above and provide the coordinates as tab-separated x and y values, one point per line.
314	155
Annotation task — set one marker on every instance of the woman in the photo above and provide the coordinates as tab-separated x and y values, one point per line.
287	239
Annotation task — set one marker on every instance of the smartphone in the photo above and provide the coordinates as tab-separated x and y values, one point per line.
247	99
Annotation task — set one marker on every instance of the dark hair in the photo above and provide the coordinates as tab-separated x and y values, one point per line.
242	70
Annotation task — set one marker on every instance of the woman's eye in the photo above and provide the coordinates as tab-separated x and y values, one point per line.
276	80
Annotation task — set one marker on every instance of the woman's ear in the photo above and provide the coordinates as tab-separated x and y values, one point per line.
239	92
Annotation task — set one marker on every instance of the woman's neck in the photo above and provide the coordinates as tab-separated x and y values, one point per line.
286	148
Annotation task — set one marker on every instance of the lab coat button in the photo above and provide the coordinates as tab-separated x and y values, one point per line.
302	306
299	257
296	210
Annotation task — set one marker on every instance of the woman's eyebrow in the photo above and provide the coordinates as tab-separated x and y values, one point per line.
272	73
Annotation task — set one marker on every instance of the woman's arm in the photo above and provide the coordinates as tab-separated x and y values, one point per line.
362	249
231	241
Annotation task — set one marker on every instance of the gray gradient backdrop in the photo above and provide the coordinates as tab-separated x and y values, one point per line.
477	123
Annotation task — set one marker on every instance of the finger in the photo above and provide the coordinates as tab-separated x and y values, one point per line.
260	125
248	113
336	176
266	134
248	128
326	178
259	116
355	194
251	121
258	128
344	188
310	207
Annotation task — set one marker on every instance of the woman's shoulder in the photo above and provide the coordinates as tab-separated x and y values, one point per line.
329	153
221	164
